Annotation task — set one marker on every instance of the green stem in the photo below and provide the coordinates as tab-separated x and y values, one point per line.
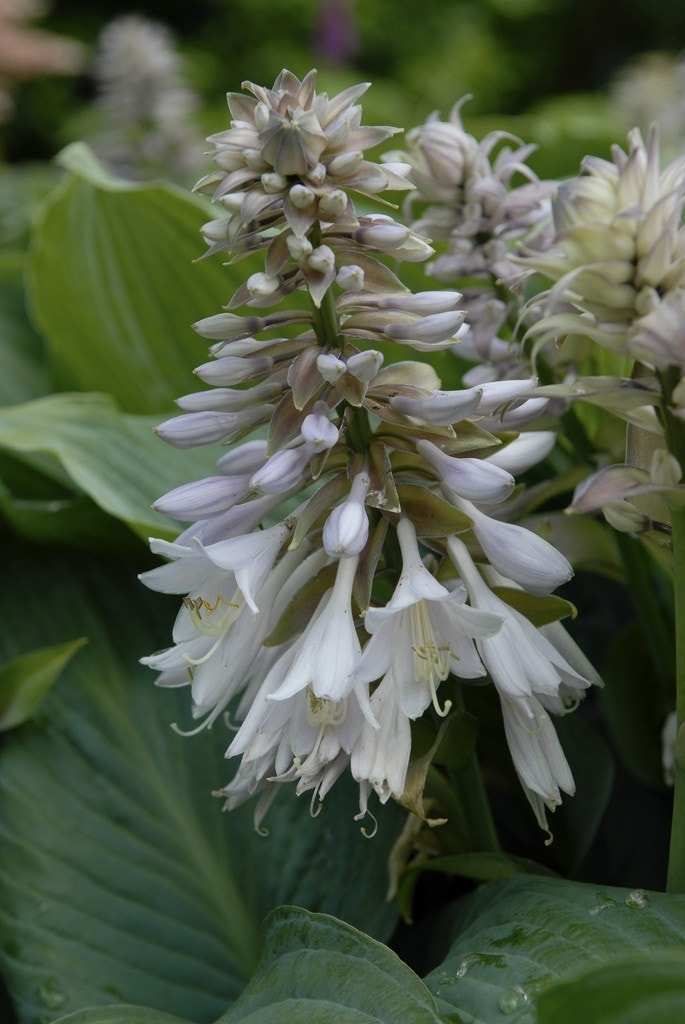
676	860
325	316
473	800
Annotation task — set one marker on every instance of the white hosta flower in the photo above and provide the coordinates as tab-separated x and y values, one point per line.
422	634
520	658
518	553
534	672
346	530
251	557
539	761
380	756
328	651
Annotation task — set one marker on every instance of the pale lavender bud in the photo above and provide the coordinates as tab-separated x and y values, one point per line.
346	530
383	234
335	203
298	247
365	365
330	367
233	369
203	499
281	472
497	393
301	197
260	114
317	429
470	478
351	278
228	399
524	451
518	553
262	284
245	458
322	259
422	303
273	183
317	176
440	407
199	428
435	328
345	163
229	326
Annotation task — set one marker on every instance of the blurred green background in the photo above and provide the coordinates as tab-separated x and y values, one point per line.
546	69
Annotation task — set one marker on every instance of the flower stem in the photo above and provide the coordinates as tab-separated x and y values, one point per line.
676	860
473	799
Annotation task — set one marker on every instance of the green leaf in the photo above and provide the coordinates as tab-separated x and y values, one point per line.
639	990
121	881
316	969
539	610
119	1015
515	939
114	287
112	457
24	375
25	681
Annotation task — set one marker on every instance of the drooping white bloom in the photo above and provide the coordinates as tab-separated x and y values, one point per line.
422	634
535	672
328	651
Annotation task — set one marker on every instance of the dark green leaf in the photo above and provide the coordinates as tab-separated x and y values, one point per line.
25	681
316	969
121	881
516	938
647	989
114	458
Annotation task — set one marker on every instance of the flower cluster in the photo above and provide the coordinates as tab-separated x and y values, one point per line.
617	267
339	566
467	200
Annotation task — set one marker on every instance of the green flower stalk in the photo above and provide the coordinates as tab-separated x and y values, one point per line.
343	475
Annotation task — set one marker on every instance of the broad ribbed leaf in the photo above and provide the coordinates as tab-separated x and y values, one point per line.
114	287
112	457
515	939
647	989
121	881
316	970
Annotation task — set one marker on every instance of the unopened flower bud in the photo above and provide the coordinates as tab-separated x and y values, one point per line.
317	429
345	163
318	175
262	284
346	530
330	367
301	197
351	278
272	183
261	114
322	259
335	203
365	365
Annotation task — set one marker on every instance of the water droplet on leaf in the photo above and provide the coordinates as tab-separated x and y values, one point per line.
514	998
637	898
51	995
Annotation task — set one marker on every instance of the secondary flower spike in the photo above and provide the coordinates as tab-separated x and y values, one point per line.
323	607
